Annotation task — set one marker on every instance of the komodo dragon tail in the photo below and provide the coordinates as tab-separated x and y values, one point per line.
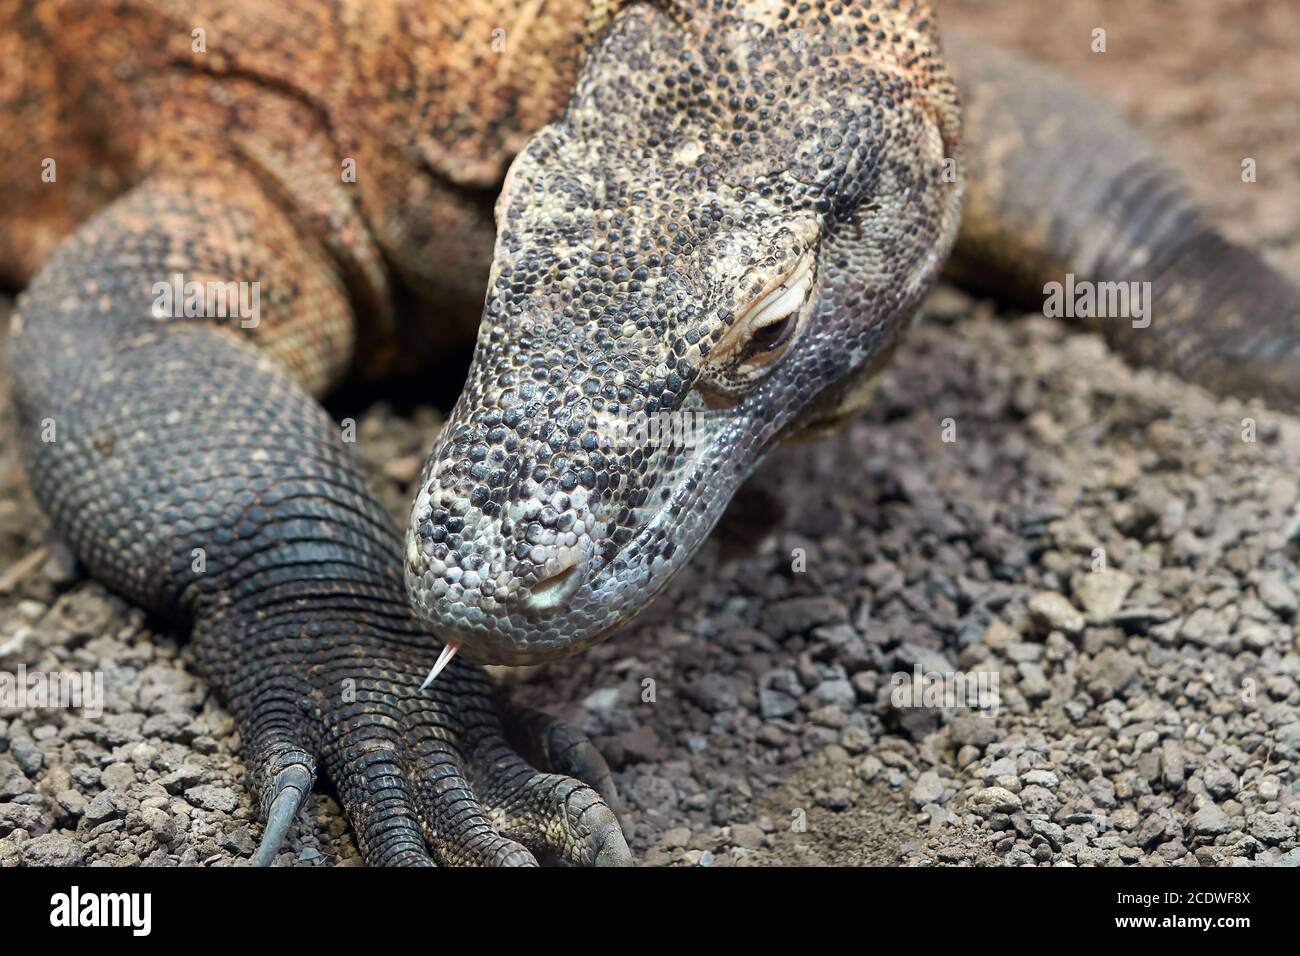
1058	183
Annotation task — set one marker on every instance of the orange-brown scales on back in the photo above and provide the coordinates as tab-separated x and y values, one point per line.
382	127
385	128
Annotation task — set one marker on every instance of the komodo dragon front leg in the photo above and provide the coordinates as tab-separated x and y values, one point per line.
194	472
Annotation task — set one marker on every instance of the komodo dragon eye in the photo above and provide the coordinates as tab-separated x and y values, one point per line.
760	335
771	336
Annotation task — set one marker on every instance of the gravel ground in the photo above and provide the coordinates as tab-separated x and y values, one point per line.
1149	713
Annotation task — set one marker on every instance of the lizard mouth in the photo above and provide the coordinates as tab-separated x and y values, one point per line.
584	595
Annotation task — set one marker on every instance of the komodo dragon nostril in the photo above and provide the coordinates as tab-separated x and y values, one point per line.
551	590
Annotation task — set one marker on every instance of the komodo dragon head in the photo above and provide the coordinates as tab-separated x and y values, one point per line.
713	248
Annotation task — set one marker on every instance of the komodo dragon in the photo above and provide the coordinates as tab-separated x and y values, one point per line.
724	211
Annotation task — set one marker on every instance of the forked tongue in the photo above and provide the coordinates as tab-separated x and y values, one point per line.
448	652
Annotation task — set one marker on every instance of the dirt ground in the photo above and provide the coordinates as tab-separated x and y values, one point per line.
1149	713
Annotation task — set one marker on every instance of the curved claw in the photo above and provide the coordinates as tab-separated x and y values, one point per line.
556	746
560	819
614	850
292	784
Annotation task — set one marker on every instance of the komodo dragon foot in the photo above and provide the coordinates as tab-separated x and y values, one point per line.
425	776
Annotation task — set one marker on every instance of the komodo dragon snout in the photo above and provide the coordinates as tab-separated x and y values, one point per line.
710	250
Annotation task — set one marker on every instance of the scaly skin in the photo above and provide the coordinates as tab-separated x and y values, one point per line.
723	213
192	468
1094	198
